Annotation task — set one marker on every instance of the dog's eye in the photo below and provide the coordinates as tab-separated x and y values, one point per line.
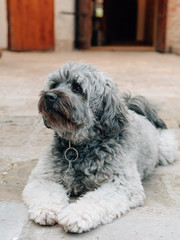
53	85
76	88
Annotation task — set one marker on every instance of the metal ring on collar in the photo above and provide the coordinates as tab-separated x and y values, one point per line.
65	154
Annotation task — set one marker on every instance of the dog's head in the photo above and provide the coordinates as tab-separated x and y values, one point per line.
79	103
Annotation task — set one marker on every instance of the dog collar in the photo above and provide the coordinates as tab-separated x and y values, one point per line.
72	150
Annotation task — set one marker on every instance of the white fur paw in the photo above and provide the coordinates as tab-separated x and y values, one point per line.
44	217
75	220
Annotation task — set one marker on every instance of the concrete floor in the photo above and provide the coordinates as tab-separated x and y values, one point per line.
24	138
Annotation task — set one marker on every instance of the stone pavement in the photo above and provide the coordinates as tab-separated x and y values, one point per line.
24	138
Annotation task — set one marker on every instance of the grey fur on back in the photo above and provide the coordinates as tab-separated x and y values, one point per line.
142	106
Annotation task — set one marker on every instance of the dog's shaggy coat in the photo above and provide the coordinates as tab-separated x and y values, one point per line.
119	141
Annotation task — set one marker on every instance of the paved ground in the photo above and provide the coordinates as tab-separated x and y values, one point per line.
23	139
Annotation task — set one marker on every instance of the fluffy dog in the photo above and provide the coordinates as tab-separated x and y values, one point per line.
104	144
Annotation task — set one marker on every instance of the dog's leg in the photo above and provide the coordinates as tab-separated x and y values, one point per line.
44	196
103	205
45	200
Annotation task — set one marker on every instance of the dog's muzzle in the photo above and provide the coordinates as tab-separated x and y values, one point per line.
55	108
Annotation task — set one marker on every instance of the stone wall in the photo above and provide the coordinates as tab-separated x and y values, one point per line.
3	25
64	24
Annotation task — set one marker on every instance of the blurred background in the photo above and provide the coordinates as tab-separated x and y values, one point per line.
87	24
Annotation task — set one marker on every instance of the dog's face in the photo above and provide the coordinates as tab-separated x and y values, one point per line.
78	102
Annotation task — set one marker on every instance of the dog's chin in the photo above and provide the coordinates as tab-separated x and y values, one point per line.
59	121
65	128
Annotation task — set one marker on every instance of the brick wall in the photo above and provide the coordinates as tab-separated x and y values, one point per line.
173	25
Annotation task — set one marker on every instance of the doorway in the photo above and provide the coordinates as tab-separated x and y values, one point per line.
120	18
123	23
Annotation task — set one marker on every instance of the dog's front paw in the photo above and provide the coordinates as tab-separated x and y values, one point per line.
76	220
44	216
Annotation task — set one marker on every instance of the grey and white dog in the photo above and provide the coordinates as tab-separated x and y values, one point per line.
104	144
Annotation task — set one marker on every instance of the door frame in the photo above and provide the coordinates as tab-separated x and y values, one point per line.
161	23
83	32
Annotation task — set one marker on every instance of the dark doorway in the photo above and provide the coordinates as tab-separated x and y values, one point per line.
121	19
118	22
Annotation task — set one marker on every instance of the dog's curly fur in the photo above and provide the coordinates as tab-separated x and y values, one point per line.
119	139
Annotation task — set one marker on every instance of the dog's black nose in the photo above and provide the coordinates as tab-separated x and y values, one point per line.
51	97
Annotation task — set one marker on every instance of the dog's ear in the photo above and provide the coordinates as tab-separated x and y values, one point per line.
114	115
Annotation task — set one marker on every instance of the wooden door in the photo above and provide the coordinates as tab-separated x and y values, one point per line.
31	24
84	23
161	25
